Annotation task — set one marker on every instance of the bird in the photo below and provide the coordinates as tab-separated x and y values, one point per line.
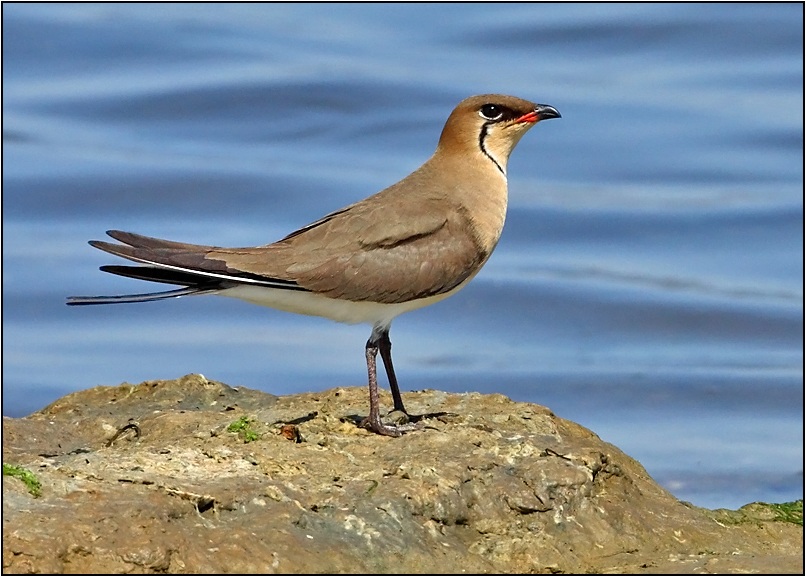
408	246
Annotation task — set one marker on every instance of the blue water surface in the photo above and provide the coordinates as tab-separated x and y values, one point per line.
649	282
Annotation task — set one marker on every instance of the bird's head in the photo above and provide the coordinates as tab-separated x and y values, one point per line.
491	124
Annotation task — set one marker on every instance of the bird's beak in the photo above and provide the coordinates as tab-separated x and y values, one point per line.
541	112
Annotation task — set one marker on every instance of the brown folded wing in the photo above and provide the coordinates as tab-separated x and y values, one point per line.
371	253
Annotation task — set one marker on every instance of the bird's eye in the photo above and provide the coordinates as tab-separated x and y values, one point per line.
491	112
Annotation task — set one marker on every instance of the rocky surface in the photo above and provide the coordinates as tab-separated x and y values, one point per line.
231	480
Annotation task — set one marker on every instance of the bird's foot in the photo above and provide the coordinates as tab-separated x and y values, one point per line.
400	426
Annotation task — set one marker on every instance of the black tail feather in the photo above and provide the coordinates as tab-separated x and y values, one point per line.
140	298
173	263
194	285
163	275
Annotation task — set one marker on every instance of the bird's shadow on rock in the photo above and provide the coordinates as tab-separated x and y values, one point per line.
399	418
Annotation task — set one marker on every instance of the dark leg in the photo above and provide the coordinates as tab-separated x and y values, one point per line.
385	348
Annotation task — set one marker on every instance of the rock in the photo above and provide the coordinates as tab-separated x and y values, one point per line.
195	476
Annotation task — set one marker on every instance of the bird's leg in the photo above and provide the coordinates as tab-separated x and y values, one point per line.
385	348
373	422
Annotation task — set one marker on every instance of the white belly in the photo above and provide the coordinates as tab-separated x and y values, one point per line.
351	312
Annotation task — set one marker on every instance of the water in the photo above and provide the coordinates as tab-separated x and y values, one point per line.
649	282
